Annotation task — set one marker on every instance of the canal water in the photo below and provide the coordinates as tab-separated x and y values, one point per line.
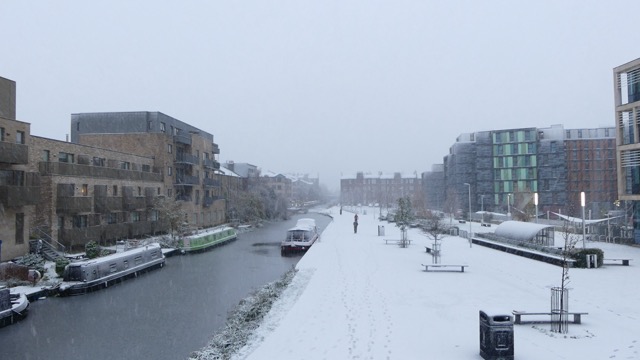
162	314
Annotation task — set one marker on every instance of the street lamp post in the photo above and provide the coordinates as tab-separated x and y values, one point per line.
509	206
582	203
482	207
469	186
535	201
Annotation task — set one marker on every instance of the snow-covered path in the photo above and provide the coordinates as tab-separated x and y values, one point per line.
355	297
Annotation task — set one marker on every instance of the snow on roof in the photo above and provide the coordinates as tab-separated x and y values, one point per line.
227	172
518	230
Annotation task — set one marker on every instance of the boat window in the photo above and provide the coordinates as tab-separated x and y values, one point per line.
138	260
112	267
74	273
154	254
126	264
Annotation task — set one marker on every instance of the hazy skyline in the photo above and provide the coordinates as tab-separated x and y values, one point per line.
289	85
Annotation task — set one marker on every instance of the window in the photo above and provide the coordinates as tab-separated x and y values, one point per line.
170	148
169	171
146	168
19	228
115	190
80	221
45	155
169	193
1	134
149	125
125	165
112	218
97	161
163	127
65	157
84	190
19	137
139	191
135	216
153	216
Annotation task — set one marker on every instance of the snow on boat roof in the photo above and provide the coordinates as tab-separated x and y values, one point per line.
518	230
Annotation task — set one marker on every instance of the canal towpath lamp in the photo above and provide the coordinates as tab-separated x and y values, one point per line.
582	203
469	186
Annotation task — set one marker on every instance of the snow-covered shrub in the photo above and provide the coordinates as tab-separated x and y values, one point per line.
243	320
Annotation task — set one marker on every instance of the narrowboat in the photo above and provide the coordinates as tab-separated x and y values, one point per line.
87	275
207	239
300	237
13	307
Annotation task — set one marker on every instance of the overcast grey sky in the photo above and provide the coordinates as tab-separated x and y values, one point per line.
324	87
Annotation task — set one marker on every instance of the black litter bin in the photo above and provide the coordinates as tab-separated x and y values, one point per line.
496	336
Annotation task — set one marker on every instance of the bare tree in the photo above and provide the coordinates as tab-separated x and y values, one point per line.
450	202
170	212
560	295
434	229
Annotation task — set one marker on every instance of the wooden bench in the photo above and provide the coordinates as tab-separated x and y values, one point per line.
396	242
444	267
577	317
624	262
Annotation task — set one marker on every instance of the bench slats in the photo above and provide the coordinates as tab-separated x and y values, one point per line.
446	266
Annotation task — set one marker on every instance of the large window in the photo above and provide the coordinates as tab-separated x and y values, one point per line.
65	157
20	138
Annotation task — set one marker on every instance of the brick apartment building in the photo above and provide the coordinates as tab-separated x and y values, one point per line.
103	185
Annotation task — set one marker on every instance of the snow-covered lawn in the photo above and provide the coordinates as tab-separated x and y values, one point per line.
356	298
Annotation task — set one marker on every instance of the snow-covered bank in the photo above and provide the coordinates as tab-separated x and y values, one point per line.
355	297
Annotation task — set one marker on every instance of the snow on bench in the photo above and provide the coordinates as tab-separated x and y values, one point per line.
396	242
444	267
624	262
577	316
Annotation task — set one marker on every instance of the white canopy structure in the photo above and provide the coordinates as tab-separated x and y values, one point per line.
525	231
579	220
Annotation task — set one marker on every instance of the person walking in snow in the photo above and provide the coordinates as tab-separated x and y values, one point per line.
355	224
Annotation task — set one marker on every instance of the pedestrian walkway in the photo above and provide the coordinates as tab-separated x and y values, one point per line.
354	297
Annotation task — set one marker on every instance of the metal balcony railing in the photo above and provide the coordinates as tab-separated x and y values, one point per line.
12	153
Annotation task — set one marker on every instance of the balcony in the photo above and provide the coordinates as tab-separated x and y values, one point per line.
210	182
183	197
17	196
61	168
186	159
187	180
78	237
215	148
134	203
211	164
12	153
104	204
207	201
74	204
182	139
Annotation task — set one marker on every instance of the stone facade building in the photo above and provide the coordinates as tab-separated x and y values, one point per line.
185	155
380	188
19	178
